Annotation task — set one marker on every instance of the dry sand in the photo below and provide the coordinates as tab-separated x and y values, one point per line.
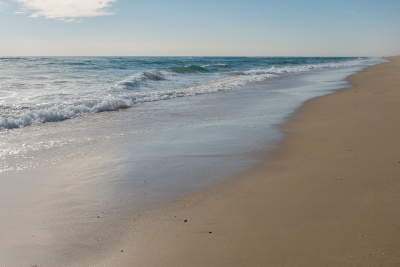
330	196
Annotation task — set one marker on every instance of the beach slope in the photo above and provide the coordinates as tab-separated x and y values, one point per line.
329	197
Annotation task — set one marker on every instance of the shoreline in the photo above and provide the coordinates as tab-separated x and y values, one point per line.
93	210
327	198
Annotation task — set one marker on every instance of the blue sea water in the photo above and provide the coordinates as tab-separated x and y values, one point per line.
36	90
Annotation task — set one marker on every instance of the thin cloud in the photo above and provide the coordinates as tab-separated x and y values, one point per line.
56	9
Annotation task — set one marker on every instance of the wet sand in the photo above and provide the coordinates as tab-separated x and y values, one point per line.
329	197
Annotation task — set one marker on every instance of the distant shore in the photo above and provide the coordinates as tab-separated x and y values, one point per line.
330	196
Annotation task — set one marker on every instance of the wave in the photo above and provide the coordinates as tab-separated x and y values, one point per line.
22	117
188	69
154	85
143	78
140	78
215	65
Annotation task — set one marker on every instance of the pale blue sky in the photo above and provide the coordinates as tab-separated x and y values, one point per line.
199	28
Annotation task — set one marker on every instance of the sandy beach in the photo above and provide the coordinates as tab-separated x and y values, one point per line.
329	196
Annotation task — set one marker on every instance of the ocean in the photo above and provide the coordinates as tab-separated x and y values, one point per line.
82	138
38	90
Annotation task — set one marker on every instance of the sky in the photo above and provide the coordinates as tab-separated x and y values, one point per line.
199	28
